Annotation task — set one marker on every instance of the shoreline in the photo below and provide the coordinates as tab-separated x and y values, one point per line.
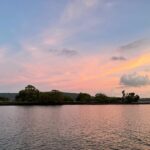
61	104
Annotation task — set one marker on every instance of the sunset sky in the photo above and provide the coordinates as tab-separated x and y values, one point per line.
75	45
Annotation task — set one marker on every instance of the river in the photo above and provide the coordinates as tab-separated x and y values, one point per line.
75	127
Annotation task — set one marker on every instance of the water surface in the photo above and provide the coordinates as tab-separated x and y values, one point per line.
77	127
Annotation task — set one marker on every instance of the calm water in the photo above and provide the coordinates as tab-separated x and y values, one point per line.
75	127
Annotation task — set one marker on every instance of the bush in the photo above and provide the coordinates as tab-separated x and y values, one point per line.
3	99
131	97
83	97
101	98
68	99
53	97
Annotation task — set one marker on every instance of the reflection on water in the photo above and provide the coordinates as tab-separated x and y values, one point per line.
87	127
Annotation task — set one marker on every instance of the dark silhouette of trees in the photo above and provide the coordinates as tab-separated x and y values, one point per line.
101	98
83	97
130	97
32	95
136	98
29	94
30	88
3	99
53	97
104	99
68	99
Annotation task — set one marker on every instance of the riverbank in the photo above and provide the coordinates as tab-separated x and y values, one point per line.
12	103
30	95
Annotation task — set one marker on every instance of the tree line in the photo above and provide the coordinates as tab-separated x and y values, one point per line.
32	95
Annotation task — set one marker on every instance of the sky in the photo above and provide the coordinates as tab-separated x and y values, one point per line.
93	46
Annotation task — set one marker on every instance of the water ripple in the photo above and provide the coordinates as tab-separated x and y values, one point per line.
77	127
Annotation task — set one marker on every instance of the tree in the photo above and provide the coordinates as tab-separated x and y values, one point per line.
29	94
101	98
130	98
30	88
136	98
52	97
83	97
68	99
56	97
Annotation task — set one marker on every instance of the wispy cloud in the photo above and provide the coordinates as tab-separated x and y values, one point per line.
77	9
75	19
53	39
65	28
64	52
137	46
68	52
134	45
118	58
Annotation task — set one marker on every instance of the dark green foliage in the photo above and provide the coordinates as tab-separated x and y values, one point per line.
71	95
53	97
3	99
32	95
44	97
29	94
83	97
104	99
101	98
136	98
131	98
114	100
68	99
